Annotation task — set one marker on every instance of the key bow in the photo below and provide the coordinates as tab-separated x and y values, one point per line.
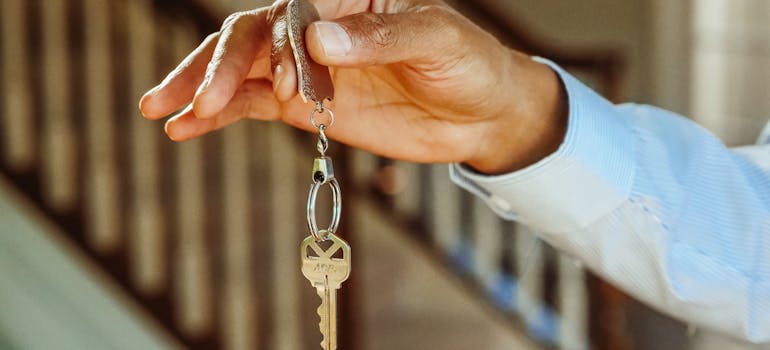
319	264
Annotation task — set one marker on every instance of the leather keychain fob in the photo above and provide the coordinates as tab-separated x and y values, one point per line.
314	81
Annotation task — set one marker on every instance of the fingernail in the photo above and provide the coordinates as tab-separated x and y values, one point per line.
143	103
278	76
167	128
335	41
178	130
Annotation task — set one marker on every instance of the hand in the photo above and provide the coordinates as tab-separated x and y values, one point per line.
414	80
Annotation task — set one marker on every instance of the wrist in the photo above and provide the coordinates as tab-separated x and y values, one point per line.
532	125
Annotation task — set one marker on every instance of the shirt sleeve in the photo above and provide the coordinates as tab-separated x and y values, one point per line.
655	204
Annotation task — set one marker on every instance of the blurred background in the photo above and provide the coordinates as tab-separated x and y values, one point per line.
113	237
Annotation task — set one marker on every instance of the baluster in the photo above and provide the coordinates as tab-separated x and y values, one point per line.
506	288
17	124
444	221
425	205
193	278
406	179
547	326
486	238
286	233
59	184
463	254
238	303
530	262
146	244
101	185
573	300
260	170
364	168
192	270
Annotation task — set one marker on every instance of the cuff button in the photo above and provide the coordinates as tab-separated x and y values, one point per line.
500	203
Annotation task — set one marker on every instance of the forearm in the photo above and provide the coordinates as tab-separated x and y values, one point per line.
654	203
692	237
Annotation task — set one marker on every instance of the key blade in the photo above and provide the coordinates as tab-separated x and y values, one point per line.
328	317
332	323
327	312
314	81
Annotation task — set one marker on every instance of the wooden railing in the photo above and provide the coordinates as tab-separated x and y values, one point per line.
204	233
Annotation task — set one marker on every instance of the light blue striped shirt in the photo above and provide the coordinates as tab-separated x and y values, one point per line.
655	204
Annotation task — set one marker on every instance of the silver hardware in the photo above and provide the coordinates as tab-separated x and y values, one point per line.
323	173
323	141
320	109
322	235
323	169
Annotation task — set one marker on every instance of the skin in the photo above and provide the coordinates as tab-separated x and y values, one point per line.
417	82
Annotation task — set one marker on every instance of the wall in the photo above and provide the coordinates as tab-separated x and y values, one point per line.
586	24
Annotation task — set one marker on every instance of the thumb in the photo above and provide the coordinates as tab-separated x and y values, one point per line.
370	38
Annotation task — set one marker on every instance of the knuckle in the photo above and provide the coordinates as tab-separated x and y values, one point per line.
276	11
238	20
212	36
376	30
445	21
435	12
232	18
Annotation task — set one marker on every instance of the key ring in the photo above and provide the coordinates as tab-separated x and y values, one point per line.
322	235
323	173
319	109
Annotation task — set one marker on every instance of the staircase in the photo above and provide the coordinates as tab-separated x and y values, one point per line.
203	234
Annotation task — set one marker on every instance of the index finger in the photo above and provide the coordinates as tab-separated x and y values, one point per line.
243	37
178	88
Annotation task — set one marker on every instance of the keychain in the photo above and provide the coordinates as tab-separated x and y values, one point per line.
325	256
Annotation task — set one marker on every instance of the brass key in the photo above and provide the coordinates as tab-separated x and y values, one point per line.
326	269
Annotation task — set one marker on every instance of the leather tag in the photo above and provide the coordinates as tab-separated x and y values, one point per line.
314	81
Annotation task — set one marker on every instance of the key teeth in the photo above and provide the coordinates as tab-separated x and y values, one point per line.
321	325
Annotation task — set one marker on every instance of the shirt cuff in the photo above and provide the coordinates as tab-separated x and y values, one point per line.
585	179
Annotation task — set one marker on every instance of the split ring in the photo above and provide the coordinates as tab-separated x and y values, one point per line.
317	124
322	235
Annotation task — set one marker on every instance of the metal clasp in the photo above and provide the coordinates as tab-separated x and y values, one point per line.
323	169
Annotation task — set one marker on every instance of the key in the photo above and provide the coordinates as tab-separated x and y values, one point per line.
326	269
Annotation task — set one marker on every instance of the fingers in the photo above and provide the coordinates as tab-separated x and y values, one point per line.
371	38
178	88
254	99
281	57
285	81
243	37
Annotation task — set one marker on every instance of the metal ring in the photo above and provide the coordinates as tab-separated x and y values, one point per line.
317	124
322	235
